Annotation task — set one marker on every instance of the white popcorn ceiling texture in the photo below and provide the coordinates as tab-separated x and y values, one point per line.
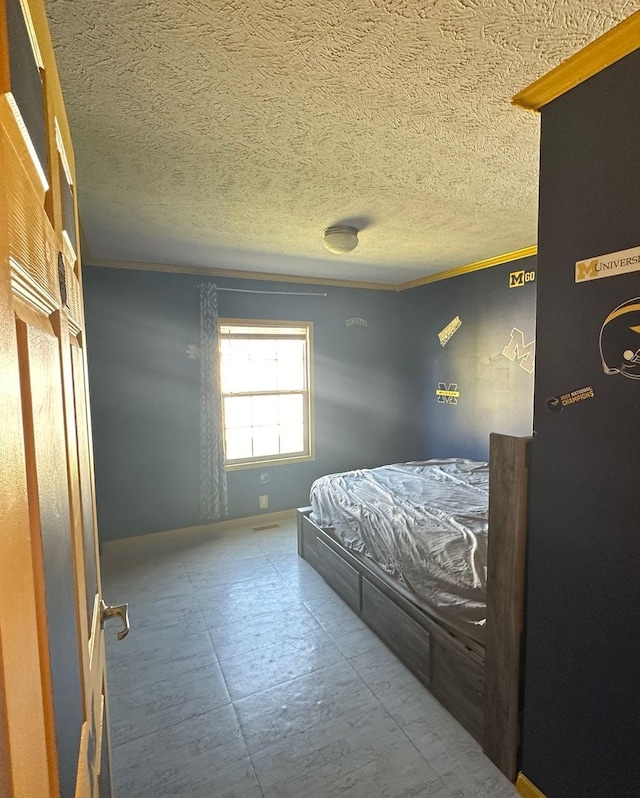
230	133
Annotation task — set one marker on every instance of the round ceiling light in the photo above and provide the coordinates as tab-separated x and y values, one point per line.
340	239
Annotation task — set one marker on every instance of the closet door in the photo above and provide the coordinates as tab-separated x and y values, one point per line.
54	738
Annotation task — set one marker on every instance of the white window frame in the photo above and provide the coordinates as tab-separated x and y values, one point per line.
270	325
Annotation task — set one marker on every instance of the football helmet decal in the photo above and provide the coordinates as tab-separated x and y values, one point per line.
620	340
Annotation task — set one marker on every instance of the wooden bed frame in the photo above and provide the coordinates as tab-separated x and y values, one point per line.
480	688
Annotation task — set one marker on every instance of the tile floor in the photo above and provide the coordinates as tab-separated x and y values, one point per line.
245	675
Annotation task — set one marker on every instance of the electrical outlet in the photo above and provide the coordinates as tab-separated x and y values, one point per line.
264	502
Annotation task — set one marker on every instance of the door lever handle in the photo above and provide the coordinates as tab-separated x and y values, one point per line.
115	611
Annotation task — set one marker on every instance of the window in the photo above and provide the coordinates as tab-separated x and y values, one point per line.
266	394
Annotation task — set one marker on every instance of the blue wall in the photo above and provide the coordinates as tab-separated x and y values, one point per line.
496	392
145	392
375	386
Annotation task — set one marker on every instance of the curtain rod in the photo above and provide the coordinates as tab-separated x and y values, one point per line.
280	293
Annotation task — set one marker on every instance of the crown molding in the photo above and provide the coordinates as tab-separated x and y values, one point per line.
515	254
601	53
236	274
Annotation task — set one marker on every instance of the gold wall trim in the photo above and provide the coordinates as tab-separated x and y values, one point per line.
527	788
239	275
601	53
516	254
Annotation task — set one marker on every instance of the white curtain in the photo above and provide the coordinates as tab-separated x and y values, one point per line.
213	477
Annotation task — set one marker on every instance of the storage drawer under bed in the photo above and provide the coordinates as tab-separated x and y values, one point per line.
406	638
343	577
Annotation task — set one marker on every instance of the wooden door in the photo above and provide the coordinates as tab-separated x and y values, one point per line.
54	738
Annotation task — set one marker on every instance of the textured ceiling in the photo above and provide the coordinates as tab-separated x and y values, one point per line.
230	133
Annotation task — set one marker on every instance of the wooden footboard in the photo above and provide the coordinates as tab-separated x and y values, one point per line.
480	692
508	488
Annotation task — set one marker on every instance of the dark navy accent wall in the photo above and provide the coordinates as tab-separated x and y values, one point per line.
145	392
489	359
582	702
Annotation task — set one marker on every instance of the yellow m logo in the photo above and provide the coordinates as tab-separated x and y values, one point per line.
516	279
586	271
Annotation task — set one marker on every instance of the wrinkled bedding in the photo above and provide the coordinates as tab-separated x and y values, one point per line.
425	524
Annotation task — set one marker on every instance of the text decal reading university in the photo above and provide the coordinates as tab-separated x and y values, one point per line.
623	262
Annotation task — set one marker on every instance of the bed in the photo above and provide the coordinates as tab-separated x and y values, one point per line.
431	556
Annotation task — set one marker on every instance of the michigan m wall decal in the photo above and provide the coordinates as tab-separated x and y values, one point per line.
517	348
448	394
520	278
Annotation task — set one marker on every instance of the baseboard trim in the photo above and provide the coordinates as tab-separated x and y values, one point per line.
211	529
527	788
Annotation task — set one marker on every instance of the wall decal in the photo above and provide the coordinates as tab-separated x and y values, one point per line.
570	398
520	278
357	321
517	348
619	340
622	262
444	336
193	351
448	394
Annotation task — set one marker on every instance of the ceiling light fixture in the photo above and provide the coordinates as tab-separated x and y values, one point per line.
340	239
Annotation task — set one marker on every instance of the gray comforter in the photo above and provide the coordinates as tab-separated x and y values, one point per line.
423	523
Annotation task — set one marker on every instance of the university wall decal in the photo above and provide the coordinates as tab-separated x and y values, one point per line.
622	262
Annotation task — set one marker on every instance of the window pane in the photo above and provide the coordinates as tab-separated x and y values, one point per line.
291	371
237	411
235	370
291	438
290	376
265	441
264	411
238	443
291	350
262	376
291	409
263	350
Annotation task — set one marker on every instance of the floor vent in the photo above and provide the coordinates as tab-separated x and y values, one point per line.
267	526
